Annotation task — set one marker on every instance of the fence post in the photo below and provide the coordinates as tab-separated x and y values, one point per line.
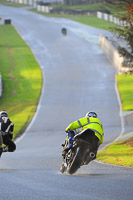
99	15
111	18
106	16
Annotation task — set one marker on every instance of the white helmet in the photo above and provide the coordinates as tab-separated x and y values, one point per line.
3	113
91	114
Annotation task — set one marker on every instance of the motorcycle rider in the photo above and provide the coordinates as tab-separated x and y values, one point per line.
90	124
6	133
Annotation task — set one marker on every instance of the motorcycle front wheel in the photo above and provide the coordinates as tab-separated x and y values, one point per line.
76	162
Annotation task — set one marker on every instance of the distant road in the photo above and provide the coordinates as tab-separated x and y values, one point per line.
77	78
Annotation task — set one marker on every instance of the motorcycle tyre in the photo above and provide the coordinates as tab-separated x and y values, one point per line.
77	161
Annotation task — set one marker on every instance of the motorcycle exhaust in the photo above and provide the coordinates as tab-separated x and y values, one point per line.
92	155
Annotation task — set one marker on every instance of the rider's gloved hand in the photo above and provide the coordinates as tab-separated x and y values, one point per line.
66	130
64	153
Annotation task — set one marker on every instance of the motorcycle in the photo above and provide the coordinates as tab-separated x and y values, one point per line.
64	31
79	154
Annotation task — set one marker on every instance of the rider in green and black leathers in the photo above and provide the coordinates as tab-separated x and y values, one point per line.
91	125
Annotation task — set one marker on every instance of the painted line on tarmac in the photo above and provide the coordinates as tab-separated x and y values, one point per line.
121	117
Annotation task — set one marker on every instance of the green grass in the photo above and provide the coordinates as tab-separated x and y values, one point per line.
87	20
125	87
120	153
95	22
21	76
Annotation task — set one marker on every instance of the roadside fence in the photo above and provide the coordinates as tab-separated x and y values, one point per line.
111	18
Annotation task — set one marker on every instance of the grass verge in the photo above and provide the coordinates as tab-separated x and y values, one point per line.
87	20
21	76
119	153
95	22
125	87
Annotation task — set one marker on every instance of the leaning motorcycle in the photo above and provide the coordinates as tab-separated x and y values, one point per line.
78	155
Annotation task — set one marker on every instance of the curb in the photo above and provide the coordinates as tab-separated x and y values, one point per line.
125	137
128	117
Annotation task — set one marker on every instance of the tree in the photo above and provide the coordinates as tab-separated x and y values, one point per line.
127	30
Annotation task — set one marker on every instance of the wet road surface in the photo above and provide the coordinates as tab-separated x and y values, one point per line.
77	78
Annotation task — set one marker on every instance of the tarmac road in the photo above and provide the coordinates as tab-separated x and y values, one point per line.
77	78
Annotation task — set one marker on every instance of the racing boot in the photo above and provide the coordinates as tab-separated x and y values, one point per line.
5	149
69	143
